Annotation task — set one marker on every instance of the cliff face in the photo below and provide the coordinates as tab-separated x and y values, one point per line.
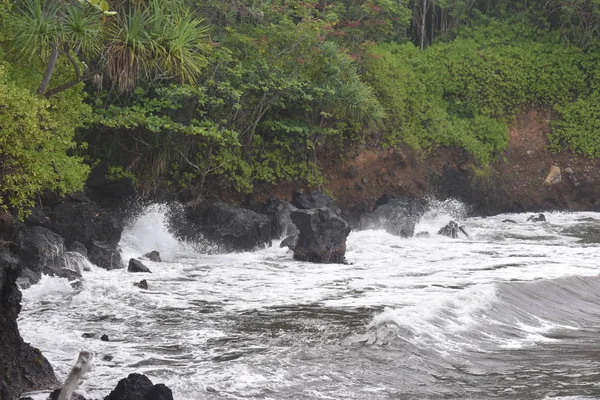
22	367
514	183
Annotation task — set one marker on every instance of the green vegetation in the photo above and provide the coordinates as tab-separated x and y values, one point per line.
232	94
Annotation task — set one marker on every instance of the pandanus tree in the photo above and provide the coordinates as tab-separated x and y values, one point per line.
133	41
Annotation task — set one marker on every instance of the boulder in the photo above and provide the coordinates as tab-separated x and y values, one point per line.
22	367
554	176
398	216
322	236
137	266
39	249
105	255
77	247
153	256
139	387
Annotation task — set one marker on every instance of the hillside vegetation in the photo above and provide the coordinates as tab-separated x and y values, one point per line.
227	95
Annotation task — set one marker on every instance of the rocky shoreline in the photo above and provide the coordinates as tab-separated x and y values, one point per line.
384	189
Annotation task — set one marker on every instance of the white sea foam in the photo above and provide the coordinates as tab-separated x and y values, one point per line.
286	319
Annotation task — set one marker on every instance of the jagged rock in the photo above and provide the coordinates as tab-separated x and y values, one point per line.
322	236
39	249
290	242
105	255
104	338
143	284
538	218
22	367
139	387
137	266
316	199
153	256
397	216
234	228
554	176
86	222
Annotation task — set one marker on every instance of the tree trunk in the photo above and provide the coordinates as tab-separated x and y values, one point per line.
49	69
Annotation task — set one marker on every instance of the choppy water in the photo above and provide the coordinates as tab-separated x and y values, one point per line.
511	313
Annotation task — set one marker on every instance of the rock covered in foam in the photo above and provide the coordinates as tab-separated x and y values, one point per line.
397	215
153	256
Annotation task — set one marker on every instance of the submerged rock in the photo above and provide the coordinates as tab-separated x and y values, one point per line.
322	236
143	284
137	266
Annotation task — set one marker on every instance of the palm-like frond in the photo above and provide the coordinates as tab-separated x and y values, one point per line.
83	30
184	48
36	27
129	48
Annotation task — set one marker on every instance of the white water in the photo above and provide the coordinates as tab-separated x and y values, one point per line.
420	317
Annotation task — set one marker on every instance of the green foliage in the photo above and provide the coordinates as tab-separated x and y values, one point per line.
36	143
578	126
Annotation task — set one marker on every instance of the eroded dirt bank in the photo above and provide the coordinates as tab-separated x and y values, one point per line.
514	183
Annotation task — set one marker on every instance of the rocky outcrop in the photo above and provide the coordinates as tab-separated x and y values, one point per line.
139	387
316	199
452	230
85	222
397	215
22	367
137	266
232	228
322	236
105	255
39	249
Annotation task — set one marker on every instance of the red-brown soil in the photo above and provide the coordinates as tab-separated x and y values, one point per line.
514	183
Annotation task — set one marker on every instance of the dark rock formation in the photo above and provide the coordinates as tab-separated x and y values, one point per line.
40	217
105	255
39	249
397	216
279	211
74	396
22	367
137	266
231	227
322	236
538	218
452	230
153	256
77	247
143	284
289	242
314	200
104	338
86	222
139	387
